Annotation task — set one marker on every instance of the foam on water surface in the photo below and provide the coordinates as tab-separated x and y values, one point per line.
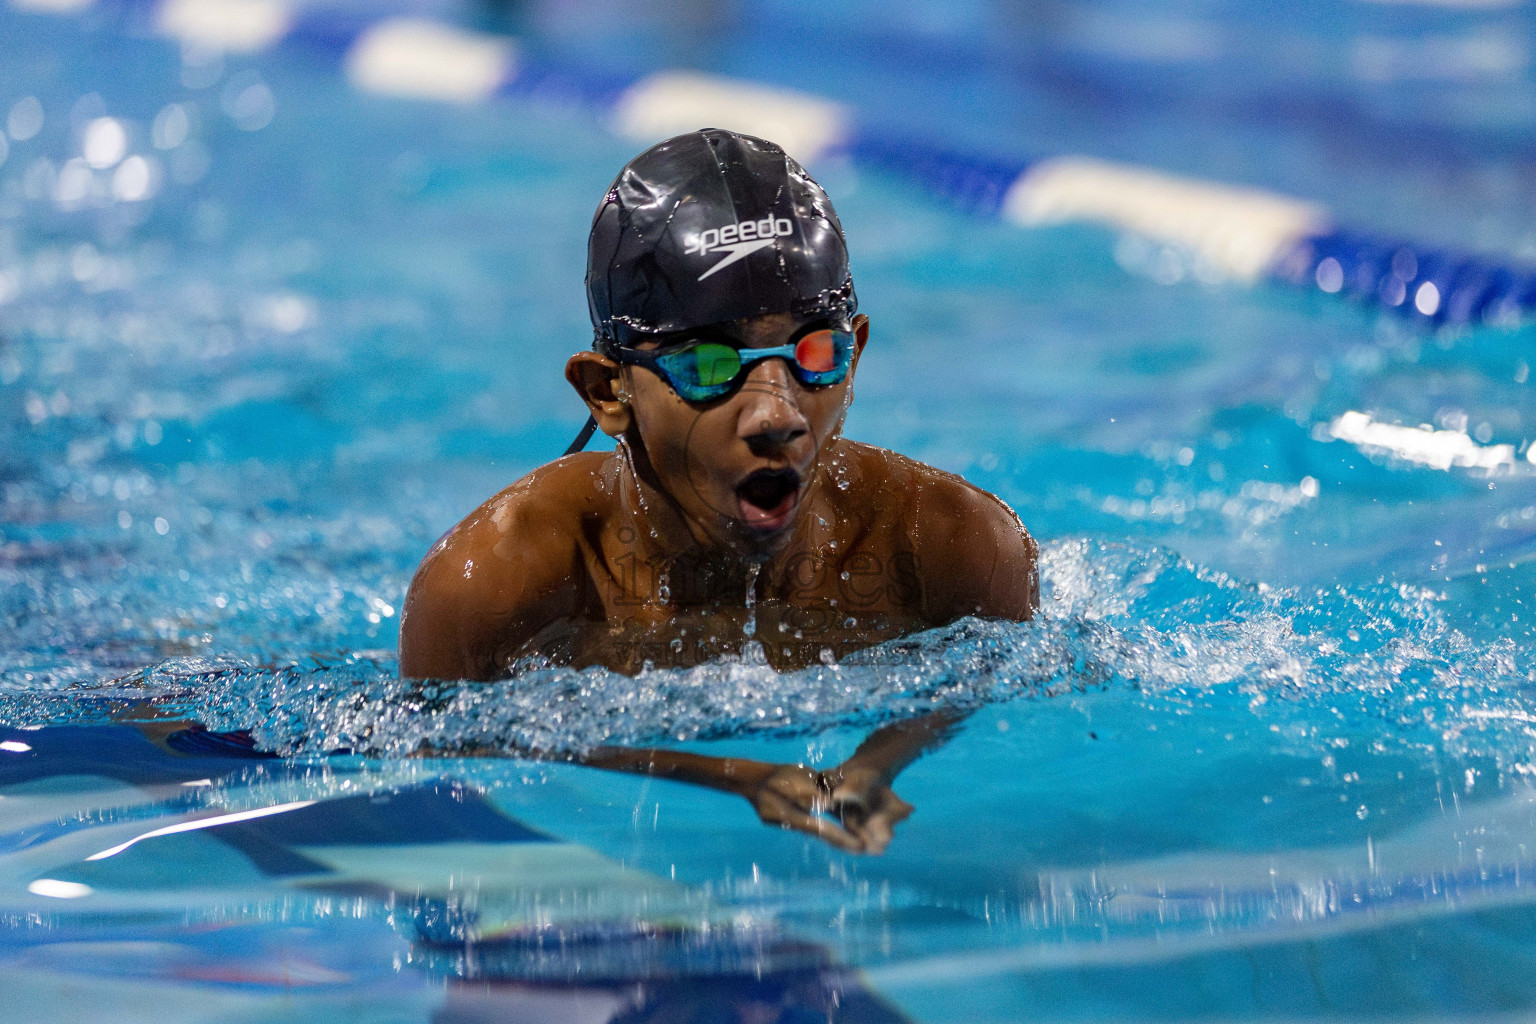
1113	616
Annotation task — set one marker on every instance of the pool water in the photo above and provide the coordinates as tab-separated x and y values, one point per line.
1265	752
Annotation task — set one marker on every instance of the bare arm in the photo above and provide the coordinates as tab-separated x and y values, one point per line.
788	795
492	582
888	750
860	787
857	793
976	555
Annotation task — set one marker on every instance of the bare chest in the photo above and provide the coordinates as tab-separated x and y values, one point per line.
803	609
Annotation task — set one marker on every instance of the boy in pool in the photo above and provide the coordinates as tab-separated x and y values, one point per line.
733	519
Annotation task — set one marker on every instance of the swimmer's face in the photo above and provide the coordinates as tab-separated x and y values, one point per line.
739	468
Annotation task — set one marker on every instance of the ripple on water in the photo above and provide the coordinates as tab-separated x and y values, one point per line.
1113	616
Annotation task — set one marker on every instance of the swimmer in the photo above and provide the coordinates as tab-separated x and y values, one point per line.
733	520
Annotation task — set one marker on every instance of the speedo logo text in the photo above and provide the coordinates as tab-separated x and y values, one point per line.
739	240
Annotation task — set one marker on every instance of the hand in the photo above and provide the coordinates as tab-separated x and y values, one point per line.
797	797
864	802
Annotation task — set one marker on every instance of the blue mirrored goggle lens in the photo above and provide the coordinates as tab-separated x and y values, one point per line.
709	369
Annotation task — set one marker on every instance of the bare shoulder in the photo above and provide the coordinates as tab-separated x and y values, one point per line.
867	469
974	554
507	569
941	502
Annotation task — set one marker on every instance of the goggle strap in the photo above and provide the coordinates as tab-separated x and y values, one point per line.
583	437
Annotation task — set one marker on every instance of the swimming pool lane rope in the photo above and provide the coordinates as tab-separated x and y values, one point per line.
1209	230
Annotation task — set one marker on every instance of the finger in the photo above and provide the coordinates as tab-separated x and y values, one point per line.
782	813
878	829
850	804
875	845
875	832
851	815
809	804
858	805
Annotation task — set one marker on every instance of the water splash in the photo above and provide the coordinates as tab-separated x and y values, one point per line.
1113	616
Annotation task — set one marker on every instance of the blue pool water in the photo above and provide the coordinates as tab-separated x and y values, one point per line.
1265	752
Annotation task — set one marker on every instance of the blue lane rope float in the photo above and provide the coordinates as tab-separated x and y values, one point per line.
1224	232
1435	285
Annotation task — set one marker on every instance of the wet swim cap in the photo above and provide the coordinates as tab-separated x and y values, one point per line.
708	227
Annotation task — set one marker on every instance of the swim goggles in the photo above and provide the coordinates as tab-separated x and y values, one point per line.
701	370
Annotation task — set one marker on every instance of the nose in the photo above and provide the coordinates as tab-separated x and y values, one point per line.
769	419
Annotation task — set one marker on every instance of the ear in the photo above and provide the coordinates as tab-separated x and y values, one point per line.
596	379
860	339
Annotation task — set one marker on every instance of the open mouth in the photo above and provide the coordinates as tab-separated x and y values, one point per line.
766	498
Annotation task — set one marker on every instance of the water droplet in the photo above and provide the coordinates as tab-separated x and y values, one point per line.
749	628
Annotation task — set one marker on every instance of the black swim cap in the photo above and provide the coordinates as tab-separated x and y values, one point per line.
709	227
